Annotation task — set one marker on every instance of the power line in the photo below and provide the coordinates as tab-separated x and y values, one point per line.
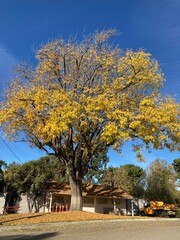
11	150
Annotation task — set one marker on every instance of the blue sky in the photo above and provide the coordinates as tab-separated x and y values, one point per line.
153	25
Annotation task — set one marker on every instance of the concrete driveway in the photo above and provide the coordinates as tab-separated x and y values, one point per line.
140	229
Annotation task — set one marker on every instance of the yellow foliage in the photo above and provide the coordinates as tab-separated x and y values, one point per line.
83	92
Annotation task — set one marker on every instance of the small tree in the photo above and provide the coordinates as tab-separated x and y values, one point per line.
11	184
128	177
176	166
161	181
2	166
115	177
33	178
136	177
83	98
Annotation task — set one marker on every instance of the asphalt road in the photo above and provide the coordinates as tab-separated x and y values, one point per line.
140	229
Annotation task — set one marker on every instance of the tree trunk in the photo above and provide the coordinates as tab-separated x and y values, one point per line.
29	202
76	194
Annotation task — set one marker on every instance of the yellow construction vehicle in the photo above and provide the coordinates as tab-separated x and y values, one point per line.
158	208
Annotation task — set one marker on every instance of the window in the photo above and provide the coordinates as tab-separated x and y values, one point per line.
58	199
117	201
102	200
88	200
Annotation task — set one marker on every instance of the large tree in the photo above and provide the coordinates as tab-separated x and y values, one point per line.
85	97
96	169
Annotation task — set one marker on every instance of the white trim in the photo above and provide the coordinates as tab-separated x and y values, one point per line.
114	204
50	203
95	202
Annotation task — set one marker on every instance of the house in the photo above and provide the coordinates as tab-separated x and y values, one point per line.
96	198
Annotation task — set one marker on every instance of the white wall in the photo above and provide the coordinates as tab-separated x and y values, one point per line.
109	207
2	201
88	207
123	207
23	204
104	208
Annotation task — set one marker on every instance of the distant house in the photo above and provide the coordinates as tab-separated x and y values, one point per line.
96	198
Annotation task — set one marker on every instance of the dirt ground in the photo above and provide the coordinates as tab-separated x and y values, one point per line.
131	229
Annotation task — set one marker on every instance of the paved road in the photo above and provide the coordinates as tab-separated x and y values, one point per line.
150	229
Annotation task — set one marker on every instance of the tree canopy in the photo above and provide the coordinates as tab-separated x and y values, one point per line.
83	98
128	177
33	178
2	165
116	177
161	182
136	177
176	166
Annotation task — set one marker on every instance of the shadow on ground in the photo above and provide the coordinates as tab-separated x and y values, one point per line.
29	237
20	218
